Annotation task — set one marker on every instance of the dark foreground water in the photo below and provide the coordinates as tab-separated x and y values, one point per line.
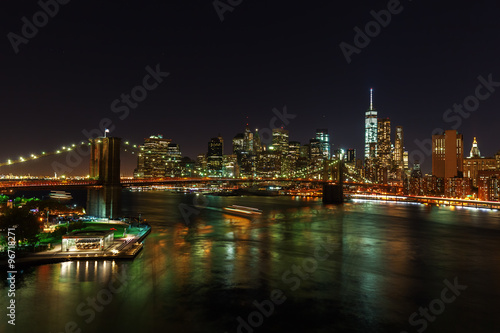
301	267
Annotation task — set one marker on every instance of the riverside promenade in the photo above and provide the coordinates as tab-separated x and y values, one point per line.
122	248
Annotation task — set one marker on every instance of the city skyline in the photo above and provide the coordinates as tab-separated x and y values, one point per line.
319	87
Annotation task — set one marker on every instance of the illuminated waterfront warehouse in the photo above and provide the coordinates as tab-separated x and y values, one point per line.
447	154
371	137
324	139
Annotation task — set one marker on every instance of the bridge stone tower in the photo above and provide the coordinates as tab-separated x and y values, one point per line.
105	160
334	193
104	202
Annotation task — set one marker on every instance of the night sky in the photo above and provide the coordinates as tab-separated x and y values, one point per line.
264	55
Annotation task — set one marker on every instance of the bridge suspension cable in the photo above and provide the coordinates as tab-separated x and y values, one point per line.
126	145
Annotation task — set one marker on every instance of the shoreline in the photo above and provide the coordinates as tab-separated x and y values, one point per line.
129	252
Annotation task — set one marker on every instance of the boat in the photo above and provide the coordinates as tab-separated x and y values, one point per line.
242	210
60	195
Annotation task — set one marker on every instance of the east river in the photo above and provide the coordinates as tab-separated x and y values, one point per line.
300	267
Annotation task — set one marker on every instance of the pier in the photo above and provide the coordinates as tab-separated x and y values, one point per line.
121	249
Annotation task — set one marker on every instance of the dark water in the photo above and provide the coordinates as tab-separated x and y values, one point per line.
360	267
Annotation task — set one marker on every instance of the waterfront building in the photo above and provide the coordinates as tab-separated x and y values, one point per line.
200	167
457	187
87	241
447	154
158	157
475	163
269	164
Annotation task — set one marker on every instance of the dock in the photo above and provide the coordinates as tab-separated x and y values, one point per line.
121	249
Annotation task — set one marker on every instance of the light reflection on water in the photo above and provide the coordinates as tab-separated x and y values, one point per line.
388	260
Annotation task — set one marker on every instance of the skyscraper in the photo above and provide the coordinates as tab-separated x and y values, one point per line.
371	138
324	139
476	163
384	141
215	156
351	156
238	144
158	157
399	147
280	140
248	141
447	154
474	151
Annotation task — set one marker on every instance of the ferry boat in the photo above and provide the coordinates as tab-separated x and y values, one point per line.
60	195
243	210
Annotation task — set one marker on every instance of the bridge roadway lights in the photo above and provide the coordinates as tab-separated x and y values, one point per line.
333	193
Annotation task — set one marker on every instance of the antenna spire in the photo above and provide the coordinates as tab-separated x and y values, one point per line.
371	98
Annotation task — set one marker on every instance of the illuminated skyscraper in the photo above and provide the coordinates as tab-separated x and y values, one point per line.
324	139
158	157
371	137
447	154
384	141
476	163
238	143
351	156
399	147
248	141
474	151
280	140
257	144
215	157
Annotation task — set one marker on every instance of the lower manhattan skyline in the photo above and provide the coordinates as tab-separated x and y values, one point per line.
319	87
242	166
